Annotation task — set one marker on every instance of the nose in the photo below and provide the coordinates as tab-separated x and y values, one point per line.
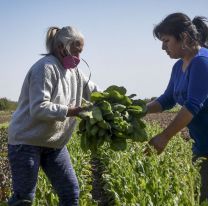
76	50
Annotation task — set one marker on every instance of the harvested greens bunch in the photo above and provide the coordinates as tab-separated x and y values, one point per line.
112	117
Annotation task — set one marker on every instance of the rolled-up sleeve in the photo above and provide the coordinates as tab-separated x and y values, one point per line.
198	85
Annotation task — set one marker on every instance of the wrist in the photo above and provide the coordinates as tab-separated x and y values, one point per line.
166	134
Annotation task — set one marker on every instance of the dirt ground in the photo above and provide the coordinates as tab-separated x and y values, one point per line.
164	119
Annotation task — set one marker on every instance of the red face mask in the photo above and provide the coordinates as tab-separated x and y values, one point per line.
70	62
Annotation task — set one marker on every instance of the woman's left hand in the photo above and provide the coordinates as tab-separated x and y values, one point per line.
159	142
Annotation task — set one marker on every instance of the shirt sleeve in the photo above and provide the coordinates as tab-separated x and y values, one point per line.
42	81
198	85
166	100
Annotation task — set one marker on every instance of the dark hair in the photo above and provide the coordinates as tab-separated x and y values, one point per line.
177	23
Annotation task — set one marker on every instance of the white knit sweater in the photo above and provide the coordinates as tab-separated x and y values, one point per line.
47	91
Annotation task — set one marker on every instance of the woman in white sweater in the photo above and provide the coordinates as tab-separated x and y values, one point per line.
45	119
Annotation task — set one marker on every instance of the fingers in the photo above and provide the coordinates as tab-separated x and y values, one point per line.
153	147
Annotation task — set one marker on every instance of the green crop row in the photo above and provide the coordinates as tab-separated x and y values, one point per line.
130	178
134	179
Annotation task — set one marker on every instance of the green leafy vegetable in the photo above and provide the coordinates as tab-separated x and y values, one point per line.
113	118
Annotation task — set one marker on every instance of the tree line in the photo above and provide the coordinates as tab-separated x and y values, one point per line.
7	105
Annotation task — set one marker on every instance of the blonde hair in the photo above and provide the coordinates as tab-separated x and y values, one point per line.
65	36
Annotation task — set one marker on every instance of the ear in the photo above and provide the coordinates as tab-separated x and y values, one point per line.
184	36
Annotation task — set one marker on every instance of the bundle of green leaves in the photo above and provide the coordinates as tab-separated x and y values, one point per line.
113	117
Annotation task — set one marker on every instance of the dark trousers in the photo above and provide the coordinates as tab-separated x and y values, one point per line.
25	161
204	177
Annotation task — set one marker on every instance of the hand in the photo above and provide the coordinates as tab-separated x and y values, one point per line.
159	142
74	111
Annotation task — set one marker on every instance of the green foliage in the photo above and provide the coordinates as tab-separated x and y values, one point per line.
131	178
5	180
4	125
112	118
45	195
6	104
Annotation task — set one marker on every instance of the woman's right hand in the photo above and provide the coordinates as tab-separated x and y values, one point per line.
159	142
74	111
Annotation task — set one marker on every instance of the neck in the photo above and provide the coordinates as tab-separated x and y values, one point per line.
58	56
189	55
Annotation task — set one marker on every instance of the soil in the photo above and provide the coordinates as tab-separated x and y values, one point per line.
98	192
164	119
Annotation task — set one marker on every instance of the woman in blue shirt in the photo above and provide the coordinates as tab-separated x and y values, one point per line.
187	41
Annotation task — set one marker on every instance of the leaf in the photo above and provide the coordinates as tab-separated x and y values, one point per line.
82	125
126	101
118	144
121	90
94	130
139	135
85	144
105	106
104	125
97	96
134	112
85	114
132	96
108	116
97	114
136	107
115	97
119	107
139	102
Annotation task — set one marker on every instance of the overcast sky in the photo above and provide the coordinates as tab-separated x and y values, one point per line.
119	45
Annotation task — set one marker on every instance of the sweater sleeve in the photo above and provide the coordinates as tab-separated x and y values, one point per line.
166	100
198	85
42	81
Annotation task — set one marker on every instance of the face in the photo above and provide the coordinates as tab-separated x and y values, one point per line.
171	46
75	49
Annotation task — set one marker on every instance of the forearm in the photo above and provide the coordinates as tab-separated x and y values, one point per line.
48	111
154	107
182	119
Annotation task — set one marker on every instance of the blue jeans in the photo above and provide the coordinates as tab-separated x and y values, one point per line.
25	161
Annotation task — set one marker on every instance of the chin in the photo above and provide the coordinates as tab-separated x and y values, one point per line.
173	56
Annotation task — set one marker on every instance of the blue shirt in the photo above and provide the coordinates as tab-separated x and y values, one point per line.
189	88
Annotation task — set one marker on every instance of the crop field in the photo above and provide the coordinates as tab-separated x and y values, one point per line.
4	116
123	178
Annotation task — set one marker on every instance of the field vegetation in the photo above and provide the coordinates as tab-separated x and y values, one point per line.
120	178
